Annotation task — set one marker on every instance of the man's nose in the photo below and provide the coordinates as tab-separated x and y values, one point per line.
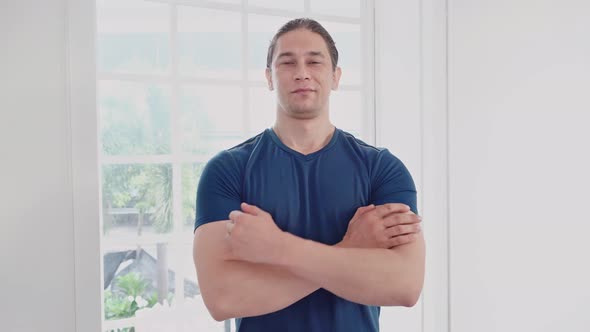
301	73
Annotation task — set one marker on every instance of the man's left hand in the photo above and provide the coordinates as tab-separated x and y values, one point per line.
253	235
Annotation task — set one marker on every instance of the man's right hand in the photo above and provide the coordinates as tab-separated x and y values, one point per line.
383	226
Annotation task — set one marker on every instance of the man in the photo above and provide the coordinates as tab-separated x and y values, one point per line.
304	227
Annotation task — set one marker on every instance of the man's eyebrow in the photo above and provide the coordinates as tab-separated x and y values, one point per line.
311	53
316	53
284	54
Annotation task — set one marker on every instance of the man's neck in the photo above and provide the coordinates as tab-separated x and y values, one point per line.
304	136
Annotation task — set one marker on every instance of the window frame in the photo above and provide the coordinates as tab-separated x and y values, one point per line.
82	76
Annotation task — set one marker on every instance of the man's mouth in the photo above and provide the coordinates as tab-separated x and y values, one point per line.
303	90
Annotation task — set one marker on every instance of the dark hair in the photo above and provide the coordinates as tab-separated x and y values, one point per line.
308	24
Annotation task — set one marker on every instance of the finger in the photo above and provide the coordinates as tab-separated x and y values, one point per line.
402	230
402	239
229	227
250	209
236	215
401	218
389	208
253	209
362	210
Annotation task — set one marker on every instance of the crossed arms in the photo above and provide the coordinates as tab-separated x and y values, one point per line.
246	266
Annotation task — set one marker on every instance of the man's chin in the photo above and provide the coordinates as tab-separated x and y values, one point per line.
304	113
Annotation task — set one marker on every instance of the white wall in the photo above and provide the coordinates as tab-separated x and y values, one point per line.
36	237
519	112
397	102
518	80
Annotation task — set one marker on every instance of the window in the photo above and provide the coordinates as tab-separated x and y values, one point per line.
165	70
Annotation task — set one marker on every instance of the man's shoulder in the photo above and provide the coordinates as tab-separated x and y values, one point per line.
377	159
238	155
365	150
247	145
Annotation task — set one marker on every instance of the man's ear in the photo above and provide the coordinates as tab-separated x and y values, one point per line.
268	75
336	78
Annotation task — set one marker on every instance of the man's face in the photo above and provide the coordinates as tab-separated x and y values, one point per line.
301	73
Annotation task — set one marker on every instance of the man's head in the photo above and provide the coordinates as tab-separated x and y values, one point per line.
302	67
307	24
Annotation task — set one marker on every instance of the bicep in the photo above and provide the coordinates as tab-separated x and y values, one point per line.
209	252
393	183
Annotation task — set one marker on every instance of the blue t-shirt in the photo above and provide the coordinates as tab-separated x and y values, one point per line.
312	196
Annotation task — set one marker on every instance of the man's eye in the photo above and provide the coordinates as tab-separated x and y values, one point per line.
315	62
288	63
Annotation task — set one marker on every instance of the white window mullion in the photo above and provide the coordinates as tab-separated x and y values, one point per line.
203	4
125	242
177	232
245	84
143	159
250	9
368	69
154	159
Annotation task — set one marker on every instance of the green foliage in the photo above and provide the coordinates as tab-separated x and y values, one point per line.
190	177
135	120
131	298
132	284
148	188
160	197
117	307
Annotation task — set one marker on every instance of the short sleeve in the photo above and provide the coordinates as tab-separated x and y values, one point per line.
391	182
218	191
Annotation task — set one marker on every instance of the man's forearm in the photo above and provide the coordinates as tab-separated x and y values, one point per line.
368	276
234	287
257	289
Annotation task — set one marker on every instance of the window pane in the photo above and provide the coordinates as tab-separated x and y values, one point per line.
209	43
132	282
261	29
212	118
348	43
188	270
346	111
134	118
132	36
296	5
189	316
137	200
349	8
190	178
262	110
